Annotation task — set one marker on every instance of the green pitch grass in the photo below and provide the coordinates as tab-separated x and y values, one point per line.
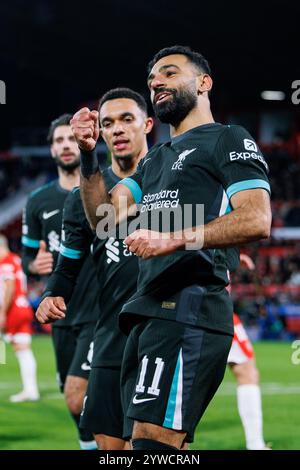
47	425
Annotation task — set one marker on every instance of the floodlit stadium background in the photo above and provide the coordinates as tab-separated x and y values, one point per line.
56	57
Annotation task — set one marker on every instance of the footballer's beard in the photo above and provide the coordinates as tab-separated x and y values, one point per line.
67	167
174	110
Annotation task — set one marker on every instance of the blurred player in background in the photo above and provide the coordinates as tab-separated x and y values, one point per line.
72	336
16	317
124	126
241	361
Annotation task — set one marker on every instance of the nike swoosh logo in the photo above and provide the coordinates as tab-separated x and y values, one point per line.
47	215
136	401
85	366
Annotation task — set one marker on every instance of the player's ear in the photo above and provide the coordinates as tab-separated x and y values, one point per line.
52	151
204	84
148	125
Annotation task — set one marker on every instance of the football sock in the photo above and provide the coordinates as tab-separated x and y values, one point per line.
86	438
27	364
250	410
150	444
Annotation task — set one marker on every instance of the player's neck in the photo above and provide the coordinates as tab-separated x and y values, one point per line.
197	117
68	180
127	167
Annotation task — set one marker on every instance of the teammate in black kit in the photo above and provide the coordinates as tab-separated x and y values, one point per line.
180	320
124	126
72	336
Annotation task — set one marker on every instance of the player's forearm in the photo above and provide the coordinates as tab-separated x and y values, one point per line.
237	228
28	257
93	194
63	280
92	187
59	286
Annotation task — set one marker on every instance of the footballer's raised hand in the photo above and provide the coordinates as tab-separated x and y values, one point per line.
85	127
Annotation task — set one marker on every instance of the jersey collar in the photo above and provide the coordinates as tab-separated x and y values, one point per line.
186	134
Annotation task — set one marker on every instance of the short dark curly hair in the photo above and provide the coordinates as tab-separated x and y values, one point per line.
116	93
63	120
194	57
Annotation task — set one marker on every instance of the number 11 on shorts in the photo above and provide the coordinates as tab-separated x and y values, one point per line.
153	390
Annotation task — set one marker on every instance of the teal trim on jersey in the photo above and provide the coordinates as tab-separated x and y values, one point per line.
228	209
247	184
134	188
30	242
170	413
70	253
74	190
38	190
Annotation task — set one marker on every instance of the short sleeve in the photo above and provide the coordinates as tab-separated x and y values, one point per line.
76	234
239	162
135	182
